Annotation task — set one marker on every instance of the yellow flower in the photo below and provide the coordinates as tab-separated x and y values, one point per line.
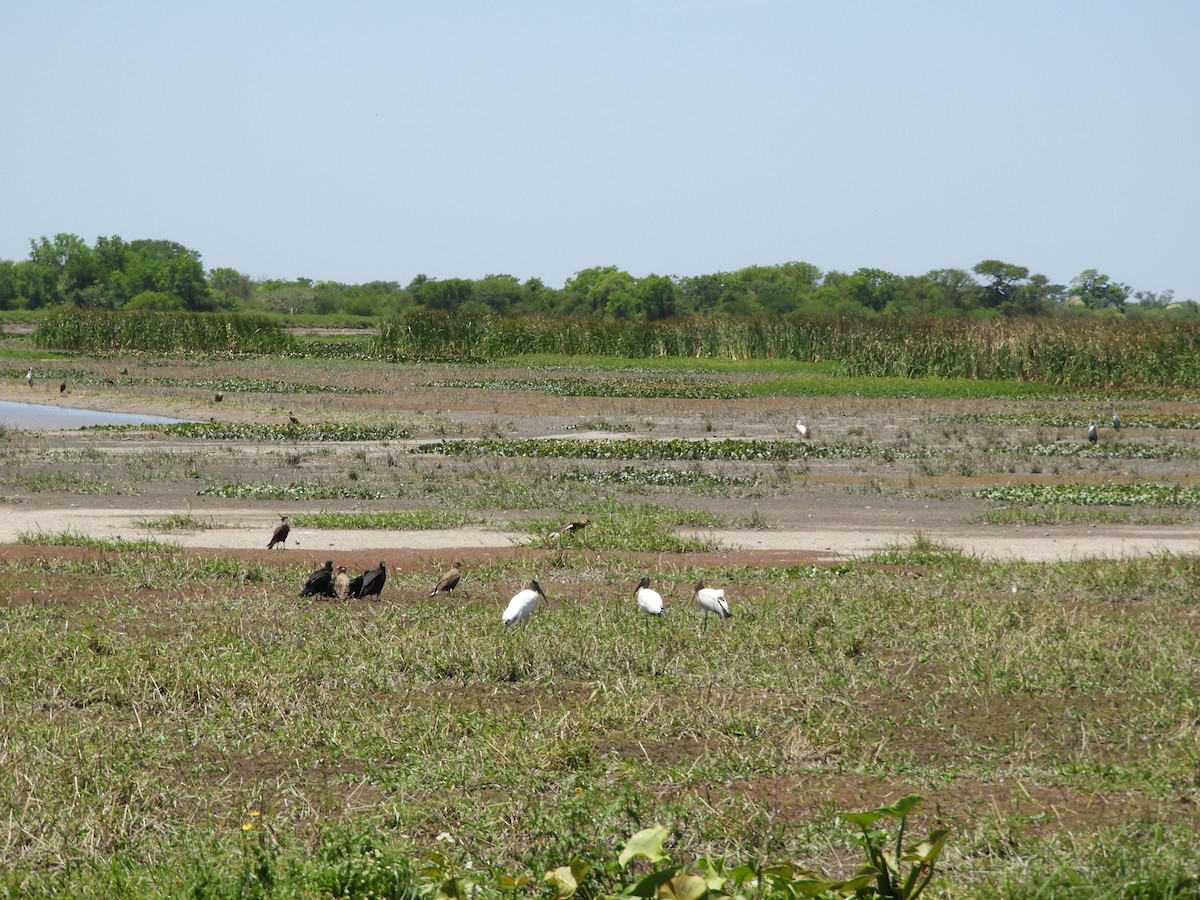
254	814
246	826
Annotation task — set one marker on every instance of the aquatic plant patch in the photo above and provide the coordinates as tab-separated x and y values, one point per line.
731	449
296	490
1108	494
579	387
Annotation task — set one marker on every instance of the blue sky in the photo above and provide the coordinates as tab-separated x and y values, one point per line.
360	141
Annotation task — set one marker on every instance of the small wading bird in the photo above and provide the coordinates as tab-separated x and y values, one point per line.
292	418
802	429
320	582
1116	421
449	581
649	600
62	388
373	581
1093	434
29	377
712	600
341	583
578	525
218	396
279	535
523	602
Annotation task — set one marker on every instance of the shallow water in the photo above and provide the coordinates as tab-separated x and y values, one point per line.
39	417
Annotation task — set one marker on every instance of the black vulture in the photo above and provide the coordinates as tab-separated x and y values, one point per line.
354	588
320	582
373	581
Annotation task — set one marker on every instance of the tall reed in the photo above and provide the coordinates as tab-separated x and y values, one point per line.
100	331
1074	353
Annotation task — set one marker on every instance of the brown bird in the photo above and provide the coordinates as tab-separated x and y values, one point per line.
279	536
577	525
292	418
341	583
62	388
218	396
449	581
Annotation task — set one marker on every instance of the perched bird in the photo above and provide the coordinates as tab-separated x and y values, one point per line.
279	535
523	602
649	600
292	418
341	583
218	396
712	600
29	377
62	388
1093	434
449	581
578	525
373	581
354	588
320	582
1116	421
802	429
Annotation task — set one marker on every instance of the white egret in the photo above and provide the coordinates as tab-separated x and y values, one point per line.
712	600
523	602
802	429
649	600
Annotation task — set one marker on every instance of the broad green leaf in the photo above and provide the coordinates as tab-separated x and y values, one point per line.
928	850
562	880
743	873
648	886
510	883
648	843
713	871
901	807
453	889
684	886
864	819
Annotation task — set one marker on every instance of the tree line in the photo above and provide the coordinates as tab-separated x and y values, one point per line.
164	275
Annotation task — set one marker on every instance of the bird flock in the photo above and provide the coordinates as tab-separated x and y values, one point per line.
329	583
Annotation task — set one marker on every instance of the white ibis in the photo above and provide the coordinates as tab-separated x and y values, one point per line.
802	430
523	602
712	600
649	600
279	535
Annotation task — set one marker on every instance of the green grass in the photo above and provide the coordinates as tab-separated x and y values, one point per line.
1104	494
155	702
403	520
111	545
642	527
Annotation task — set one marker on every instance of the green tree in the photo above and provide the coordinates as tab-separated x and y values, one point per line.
1000	293
656	297
446	295
499	293
1098	291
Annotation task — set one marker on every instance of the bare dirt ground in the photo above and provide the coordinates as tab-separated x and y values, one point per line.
107	484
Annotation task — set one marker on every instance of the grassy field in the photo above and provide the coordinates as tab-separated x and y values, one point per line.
179	723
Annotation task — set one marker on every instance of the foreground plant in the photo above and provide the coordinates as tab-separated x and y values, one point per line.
891	872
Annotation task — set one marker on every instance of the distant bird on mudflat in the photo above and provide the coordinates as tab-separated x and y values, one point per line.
1116	421
802	429
218	396
320	582
649	600
1093	434
373	581
523	602
279	535
449	581
354	588
29	377
341	583
577	525
292	418
62	388
712	600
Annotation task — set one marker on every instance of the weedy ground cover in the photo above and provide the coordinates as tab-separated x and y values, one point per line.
157	703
